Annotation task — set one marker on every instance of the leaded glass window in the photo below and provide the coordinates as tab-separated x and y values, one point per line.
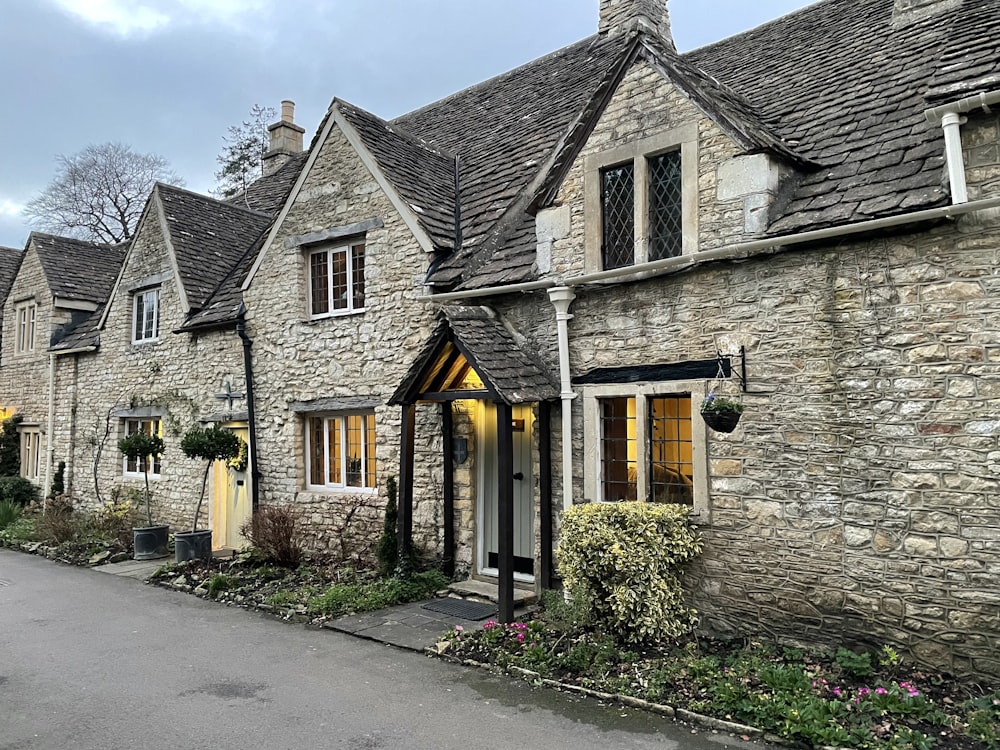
665	227
618	205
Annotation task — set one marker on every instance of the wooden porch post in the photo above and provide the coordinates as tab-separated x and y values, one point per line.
545	492
447	431
505	511
406	454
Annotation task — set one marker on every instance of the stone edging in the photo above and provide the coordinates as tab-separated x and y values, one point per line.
627	700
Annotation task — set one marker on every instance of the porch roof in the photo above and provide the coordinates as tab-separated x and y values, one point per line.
476	337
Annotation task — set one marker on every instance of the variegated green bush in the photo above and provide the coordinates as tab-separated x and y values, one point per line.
624	560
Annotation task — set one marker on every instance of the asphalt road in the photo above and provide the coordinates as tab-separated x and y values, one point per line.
89	660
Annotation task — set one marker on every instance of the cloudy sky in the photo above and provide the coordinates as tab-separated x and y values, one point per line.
169	76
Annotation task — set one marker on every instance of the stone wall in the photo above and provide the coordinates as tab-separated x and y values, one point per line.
857	502
365	354
179	375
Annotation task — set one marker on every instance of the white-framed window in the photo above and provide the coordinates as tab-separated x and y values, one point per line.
648	443
336	280
340	451
642	201
146	316
25	316
31	452
134	467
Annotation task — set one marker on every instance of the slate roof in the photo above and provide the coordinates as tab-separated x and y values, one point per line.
209	238
267	194
10	261
834	90
78	270
85	334
505	366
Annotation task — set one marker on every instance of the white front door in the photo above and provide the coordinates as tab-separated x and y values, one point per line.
524	507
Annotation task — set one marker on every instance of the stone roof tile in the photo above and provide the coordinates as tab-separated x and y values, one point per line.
76	269
10	262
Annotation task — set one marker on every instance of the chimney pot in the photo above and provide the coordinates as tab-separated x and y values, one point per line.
287	110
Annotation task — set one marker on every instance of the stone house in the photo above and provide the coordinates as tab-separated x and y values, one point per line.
802	216
517	298
55	284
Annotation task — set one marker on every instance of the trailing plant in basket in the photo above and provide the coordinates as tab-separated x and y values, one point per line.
208	444
716	403
140	447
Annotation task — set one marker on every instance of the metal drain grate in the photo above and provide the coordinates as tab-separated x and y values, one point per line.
462	608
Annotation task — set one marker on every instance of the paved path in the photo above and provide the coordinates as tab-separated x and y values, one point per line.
99	661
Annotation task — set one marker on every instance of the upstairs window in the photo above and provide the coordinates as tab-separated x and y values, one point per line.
146	316
24	319
340	451
641	201
134	467
337	280
618	204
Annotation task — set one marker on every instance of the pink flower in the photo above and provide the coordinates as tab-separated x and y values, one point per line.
881	691
520	637
837	692
459	629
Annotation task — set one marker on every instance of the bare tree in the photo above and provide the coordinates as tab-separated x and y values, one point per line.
98	194
241	159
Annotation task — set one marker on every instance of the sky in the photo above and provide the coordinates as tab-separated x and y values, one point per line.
170	76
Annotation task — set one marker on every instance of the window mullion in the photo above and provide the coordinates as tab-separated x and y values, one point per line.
642	448
641	208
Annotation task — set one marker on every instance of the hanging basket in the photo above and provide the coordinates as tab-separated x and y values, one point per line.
721	421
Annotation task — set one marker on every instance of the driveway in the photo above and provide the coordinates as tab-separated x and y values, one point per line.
96	661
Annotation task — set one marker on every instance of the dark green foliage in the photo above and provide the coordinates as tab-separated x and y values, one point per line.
17	490
10	447
853	663
140	446
9	512
209	444
58	481
272	532
363	595
388	544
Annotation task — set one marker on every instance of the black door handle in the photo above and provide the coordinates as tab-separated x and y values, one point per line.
519	476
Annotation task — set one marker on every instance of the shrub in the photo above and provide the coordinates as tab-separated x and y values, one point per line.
116	518
139	446
17	490
58	481
9	512
58	524
209	444
272	530
366	596
388	546
10	447
23	529
624	560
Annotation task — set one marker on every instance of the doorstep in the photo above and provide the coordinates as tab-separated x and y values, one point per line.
488	591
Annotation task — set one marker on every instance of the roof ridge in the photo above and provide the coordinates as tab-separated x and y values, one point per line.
492	81
202	196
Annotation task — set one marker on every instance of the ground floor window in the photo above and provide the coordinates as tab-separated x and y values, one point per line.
137	467
340	451
646	444
31	452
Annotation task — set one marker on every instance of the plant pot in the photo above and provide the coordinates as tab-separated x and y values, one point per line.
721	421
150	542
193	545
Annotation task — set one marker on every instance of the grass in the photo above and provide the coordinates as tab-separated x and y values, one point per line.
9	512
842	698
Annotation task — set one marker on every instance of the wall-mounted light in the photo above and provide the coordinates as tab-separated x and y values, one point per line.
460	450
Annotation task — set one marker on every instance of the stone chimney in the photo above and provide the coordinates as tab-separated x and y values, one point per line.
623	16
286	139
905	12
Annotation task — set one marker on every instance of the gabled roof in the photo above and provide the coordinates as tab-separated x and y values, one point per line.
209	237
477	338
85	335
10	262
75	269
835	90
267	194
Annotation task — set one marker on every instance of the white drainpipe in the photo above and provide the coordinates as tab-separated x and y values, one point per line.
952	123
949	115
561	298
